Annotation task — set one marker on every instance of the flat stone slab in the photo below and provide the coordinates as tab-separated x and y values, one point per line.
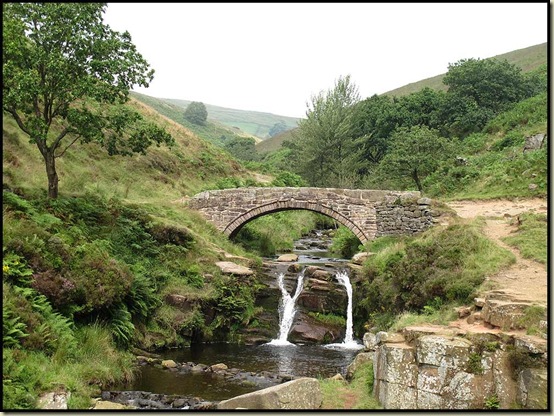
228	267
288	257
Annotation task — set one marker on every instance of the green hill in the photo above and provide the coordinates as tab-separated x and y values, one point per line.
160	175
275	142
527	59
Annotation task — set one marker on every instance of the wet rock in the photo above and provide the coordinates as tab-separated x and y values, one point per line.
218	367
169	364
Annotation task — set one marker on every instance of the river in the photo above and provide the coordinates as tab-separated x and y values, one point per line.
296	359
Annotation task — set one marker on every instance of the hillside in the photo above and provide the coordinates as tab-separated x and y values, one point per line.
254	123
275	142
527	59
214	131
190	166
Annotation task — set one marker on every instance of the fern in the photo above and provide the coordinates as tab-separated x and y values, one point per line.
12	329
121	326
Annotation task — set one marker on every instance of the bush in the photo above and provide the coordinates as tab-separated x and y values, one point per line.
345	243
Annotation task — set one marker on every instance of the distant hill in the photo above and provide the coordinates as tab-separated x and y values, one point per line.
214	131
253	123
274	143
527	59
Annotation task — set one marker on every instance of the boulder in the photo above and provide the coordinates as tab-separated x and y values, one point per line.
302	393
169	364
228	267
54	400
361	358
360	258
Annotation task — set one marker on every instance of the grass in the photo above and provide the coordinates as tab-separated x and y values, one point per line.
95	365
439	317
358	394
531	237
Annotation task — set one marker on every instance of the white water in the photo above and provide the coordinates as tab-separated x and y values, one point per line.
287	309
348	342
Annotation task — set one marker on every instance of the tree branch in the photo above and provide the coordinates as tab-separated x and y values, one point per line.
60	137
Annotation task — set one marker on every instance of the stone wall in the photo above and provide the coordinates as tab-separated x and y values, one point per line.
404	214
490	363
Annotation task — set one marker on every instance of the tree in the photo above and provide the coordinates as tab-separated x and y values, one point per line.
196	113
277	128
325	139
414	152
479	89
243	148
66	76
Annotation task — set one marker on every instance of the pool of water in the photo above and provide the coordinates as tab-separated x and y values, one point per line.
298	360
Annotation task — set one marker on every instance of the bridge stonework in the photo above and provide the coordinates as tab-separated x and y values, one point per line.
367	213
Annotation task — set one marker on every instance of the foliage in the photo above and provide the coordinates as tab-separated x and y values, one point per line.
76	80
474	365
414	153
345	243
277	128
196	113
243	148
448	263
329	318
479	89
492	402
531	318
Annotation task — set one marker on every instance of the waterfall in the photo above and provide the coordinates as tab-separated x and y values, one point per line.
287	309
348	342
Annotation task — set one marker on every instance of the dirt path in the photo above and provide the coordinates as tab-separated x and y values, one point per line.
525	276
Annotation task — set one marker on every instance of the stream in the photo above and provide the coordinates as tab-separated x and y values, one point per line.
278	357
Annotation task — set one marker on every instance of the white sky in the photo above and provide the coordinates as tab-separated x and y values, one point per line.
273	57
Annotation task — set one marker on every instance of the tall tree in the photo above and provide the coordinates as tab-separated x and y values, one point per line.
196	113
326	137
66	76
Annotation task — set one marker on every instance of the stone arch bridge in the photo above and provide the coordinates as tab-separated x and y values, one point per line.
367	213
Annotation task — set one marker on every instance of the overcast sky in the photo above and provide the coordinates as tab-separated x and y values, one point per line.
273	57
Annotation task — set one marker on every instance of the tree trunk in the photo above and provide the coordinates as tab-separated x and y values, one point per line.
416	179
50	163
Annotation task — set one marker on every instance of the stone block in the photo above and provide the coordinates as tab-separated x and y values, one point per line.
430	401
438	350
395	363
396	396
533	388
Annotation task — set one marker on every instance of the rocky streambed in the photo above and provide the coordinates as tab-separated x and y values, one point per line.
220	373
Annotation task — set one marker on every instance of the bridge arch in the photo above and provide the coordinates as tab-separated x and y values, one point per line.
367	213
276	206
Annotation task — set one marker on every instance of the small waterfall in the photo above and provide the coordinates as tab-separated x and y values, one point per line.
348	342
287	309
